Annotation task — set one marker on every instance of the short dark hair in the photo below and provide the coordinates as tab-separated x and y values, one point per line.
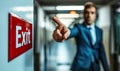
89	5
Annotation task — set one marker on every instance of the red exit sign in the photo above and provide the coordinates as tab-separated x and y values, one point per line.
20	36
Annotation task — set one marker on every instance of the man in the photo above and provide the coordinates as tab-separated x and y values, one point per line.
88	36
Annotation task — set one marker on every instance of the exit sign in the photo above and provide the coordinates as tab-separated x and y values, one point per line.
20	36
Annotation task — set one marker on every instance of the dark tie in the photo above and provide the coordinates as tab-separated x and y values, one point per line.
91	41
91	38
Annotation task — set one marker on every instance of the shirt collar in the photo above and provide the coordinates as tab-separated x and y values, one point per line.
91	26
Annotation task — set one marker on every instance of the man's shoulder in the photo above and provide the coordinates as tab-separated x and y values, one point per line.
98	28
79	24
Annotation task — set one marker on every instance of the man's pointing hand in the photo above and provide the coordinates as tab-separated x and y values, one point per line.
61	32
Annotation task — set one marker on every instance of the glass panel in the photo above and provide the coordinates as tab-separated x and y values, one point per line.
117	27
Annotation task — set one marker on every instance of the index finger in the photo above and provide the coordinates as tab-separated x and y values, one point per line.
58	22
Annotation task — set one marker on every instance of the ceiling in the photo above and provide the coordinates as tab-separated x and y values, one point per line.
71	2
49	6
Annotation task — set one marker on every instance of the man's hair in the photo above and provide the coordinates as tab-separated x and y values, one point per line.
89	5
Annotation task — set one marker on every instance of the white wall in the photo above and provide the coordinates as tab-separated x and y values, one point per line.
23	62
104	23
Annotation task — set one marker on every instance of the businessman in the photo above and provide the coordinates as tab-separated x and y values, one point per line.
90	49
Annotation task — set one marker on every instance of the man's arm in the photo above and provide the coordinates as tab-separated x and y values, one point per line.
74	31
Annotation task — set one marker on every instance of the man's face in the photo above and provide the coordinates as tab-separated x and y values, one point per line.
90	15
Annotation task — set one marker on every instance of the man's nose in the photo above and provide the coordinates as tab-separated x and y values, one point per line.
89	14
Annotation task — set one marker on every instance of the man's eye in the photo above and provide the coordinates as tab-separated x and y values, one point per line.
92	12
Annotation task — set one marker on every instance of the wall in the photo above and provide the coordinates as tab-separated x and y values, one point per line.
23	62
104	23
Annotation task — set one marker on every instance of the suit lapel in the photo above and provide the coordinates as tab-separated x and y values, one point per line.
89	36
97	36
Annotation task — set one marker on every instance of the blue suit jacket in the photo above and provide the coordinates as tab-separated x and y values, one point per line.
86	51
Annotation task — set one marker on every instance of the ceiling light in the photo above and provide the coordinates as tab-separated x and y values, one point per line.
69	7
67	21
68	15
72	12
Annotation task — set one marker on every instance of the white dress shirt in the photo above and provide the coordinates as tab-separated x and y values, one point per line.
93	34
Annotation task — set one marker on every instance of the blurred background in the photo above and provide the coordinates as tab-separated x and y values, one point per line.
46	54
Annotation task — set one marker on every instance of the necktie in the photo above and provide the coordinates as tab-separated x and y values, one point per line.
91	37
92	34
